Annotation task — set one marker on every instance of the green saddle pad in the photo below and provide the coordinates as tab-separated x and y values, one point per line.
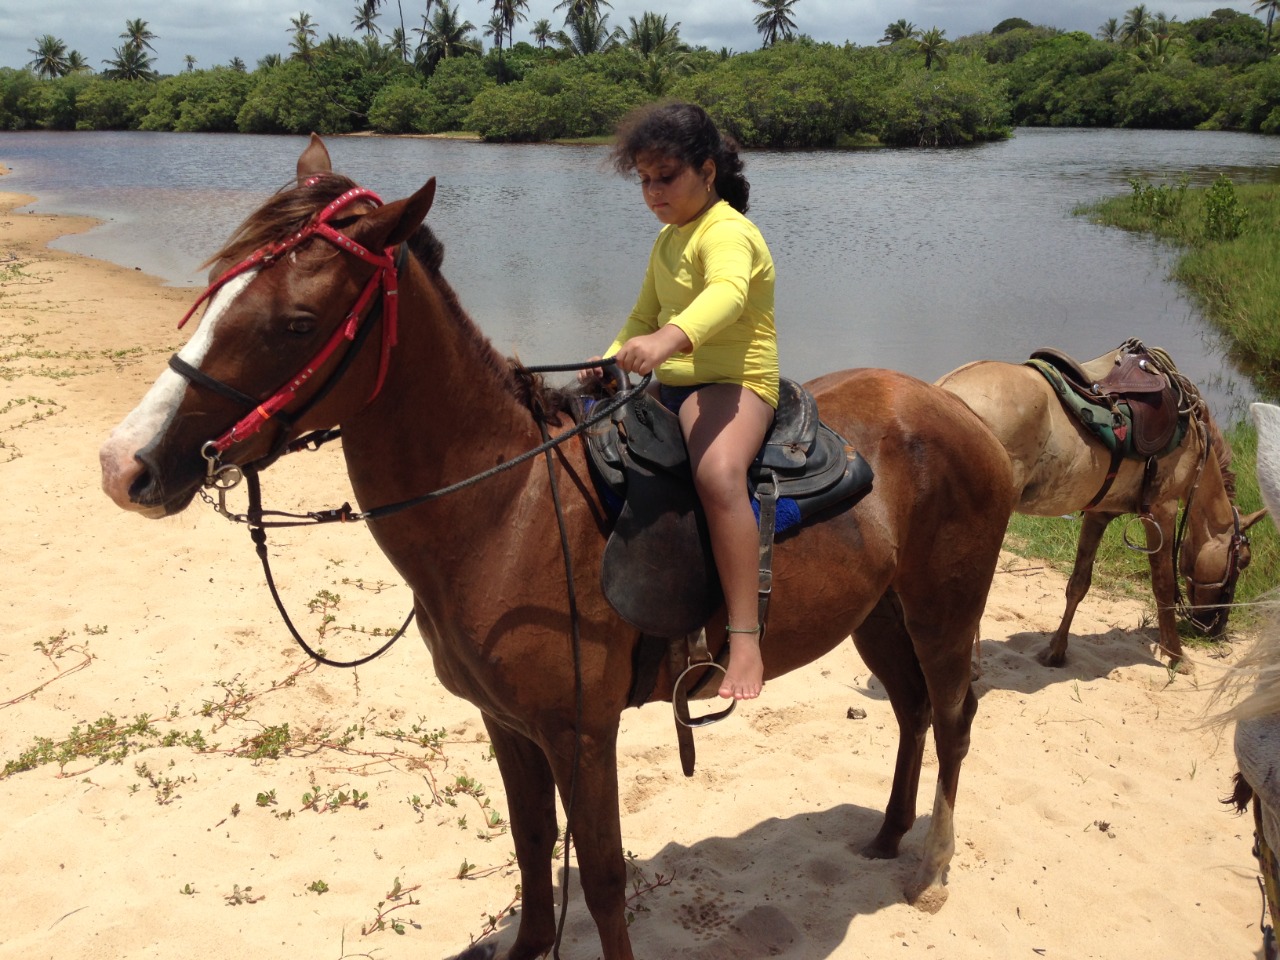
1113	427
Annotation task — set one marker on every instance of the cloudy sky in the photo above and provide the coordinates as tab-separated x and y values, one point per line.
214	31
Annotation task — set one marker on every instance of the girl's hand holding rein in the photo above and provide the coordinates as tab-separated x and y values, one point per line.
644	354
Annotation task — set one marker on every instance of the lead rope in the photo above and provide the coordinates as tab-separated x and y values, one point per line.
259	536
254	518
576	635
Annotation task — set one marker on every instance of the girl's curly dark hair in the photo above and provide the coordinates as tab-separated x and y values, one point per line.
685	132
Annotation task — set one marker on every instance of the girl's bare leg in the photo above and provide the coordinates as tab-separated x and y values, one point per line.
724	426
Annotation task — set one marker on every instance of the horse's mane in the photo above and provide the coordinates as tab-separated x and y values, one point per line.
287	211
1222	450
292	208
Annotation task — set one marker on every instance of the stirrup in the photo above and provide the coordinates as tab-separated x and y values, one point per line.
697	658
680	699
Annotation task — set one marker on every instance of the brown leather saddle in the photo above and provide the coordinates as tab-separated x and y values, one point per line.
1127	398
658	572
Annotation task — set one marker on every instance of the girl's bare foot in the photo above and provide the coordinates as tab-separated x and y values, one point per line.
745	677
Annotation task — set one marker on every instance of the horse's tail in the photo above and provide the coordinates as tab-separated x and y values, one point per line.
1251	688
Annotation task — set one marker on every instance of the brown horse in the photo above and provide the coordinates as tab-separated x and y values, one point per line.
905	571
1059	467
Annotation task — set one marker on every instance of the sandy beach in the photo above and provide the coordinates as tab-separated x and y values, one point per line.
180	782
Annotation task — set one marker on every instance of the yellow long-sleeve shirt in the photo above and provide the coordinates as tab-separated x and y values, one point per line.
713	278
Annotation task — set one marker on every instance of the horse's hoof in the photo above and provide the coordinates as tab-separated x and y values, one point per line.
928	899
478	951
1051	658
881	849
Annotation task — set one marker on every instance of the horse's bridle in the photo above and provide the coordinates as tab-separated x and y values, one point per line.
1239	540
383	280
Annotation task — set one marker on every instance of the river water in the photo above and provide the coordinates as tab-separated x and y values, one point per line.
918	260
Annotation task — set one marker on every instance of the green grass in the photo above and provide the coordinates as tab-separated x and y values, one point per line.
1234	278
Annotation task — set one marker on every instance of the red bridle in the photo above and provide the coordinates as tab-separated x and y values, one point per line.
383	280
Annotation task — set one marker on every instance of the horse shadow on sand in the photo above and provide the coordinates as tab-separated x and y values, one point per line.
1013	662
785	887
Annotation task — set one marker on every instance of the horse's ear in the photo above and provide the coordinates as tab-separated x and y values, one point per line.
395	222
314	159
416	209
1248	520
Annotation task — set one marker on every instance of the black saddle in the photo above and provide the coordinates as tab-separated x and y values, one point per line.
658	572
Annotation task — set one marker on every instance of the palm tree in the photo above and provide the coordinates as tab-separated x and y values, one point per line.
270	61
1155	53
652	35
366	18
50	57
446	35
1162	25
237	65
578	8
76	63
130	63
400	44
542	32
137	34
901	30
511	12
373	6
658	47
1271	7
1109	32
495	28
775	22
588	33
190	61
304	33
1136	28
933	45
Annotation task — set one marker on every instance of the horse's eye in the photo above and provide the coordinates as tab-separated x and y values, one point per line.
301	325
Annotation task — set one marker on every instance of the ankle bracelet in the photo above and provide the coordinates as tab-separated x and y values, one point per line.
755	629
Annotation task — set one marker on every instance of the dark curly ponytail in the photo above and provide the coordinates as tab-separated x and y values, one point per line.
685	132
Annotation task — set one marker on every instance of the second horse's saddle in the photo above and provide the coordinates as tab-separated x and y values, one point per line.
1128	399
1125	397
658	572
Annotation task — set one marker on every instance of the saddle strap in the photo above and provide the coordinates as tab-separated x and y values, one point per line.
1117	454
1144	493
767	494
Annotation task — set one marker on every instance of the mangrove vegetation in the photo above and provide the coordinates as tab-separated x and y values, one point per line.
537	82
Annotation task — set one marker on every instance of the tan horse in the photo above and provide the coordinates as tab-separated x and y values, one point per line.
905	571
1059	467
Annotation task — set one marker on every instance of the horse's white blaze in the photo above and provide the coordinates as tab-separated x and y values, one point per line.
156	411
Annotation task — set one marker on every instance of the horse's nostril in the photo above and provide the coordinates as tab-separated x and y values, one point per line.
140	486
